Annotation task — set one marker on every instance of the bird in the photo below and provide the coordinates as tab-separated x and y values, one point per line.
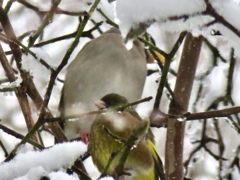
111	129
103	66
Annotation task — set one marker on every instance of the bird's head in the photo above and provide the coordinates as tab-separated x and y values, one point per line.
110	101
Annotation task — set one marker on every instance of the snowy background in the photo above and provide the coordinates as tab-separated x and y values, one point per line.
166	20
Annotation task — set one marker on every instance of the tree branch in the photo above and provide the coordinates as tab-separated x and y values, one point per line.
179	106
158	122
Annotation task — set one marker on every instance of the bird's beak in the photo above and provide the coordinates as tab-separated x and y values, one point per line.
100	104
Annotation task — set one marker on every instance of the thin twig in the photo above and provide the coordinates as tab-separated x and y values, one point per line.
46	21
205	115
117	108
163	80
20	136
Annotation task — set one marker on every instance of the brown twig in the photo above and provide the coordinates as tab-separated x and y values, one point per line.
19	91
121	107
199	116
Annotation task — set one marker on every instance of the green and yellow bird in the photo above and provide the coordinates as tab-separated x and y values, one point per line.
109	132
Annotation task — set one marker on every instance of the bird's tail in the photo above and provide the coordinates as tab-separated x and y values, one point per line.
159	172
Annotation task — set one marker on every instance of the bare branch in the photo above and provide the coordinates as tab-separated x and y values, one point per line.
179	105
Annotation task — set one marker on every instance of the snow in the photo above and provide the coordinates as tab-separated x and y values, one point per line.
91	168
212	88
229	10
128	14
38	173
131	12
35	68
13	84
42	162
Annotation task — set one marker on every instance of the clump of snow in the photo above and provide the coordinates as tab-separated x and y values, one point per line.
34	173
193	24
42	162
37	70
229	10
131	12
13	84
91	168
232	39
38	173
61	176
29	63
212	88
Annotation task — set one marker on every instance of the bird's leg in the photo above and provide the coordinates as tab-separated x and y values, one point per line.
84	136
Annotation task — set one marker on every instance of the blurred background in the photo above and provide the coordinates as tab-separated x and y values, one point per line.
211	146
